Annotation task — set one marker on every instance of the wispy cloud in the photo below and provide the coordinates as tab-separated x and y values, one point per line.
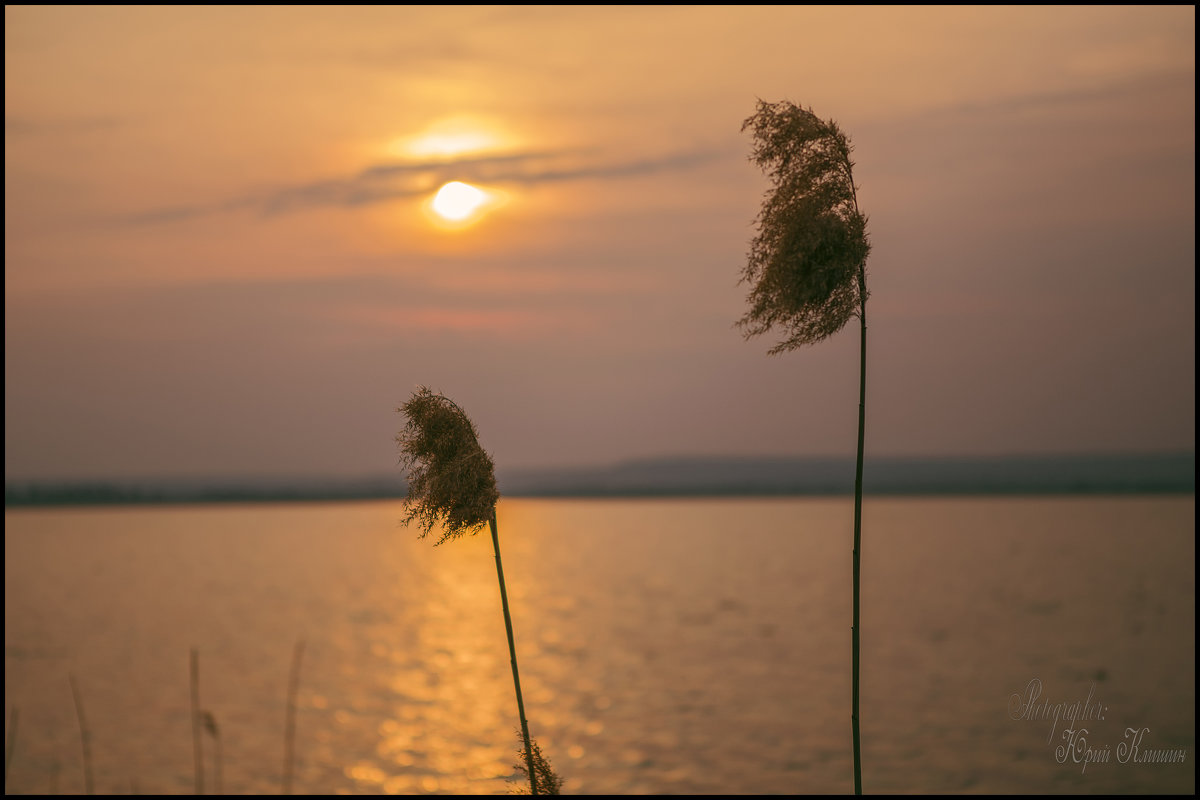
1108	93
389	181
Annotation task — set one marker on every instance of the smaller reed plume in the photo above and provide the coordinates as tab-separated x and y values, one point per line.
451	480
452	484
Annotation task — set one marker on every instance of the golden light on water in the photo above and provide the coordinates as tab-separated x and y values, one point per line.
452	716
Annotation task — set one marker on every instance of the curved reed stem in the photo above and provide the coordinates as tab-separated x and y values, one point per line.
512	652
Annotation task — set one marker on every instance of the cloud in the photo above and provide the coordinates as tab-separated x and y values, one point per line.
389	181
1111	93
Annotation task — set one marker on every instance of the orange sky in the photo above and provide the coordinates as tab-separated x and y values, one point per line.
219	257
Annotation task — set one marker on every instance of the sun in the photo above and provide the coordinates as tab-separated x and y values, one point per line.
457	206
458	201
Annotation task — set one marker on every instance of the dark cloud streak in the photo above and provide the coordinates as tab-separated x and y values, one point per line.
382	182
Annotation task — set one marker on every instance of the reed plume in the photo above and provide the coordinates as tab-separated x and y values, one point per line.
451	480
452	484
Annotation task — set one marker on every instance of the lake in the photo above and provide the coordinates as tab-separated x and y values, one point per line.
666	646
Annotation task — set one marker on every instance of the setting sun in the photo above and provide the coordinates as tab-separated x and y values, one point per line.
457	201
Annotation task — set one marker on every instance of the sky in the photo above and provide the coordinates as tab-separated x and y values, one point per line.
221	257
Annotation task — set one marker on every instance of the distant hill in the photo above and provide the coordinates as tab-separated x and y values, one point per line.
715	476
783	475
130	492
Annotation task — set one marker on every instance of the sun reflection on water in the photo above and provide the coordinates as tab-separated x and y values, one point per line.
452	709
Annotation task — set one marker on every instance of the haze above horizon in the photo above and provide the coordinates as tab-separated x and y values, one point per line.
222	257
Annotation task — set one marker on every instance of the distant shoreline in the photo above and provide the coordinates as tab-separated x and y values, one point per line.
680	477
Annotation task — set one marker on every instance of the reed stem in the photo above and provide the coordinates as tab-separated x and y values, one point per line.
197	744
11	745
858	493
512	652
84	738
289	730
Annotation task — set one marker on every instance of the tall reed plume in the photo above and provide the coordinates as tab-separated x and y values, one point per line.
807	269
452	485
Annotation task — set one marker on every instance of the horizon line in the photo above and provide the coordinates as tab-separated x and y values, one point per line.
666	458
714	476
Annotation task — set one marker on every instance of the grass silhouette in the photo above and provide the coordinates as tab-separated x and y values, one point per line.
11	745
212	729
197	739
289	727
548	781
85	738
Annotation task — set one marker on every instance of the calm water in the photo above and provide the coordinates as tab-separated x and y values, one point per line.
665	646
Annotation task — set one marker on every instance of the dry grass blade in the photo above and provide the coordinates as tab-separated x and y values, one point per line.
210	726
85	737
197	744
289	732
548	781
11	744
